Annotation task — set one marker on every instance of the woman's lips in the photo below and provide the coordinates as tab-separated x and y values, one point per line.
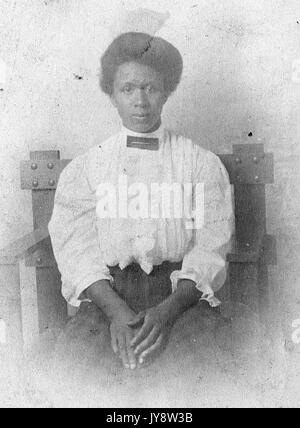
140	116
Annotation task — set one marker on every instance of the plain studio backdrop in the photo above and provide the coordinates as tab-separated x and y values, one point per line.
241	84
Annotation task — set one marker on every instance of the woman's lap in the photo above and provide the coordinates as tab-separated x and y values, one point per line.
86	341
84	371
192	371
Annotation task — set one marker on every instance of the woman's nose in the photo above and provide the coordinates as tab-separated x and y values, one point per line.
141	99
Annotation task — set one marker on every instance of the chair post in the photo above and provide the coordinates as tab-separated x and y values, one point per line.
52	309
11	338
249	281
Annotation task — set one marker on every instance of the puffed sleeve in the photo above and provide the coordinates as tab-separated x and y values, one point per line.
73	232
205	262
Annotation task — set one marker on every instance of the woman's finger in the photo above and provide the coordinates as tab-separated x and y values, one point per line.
123	350
149	341
155	347
137	320
142	333
114	343
130	353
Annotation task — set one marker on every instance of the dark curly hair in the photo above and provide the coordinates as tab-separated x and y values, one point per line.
155	52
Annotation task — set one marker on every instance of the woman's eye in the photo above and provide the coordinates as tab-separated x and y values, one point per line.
149	89
127	89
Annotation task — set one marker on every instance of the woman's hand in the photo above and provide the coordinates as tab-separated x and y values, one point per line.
119	314
156	323
121	337
154	334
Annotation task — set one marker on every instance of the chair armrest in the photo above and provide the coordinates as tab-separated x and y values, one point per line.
262	247
23	246
245	250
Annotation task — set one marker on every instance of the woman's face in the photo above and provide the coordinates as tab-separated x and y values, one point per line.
139	96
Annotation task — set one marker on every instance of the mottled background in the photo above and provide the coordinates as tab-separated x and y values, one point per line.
242	76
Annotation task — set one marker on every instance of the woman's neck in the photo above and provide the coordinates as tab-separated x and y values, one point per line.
150	131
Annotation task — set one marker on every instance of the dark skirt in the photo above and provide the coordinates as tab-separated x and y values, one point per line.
141	291
199	367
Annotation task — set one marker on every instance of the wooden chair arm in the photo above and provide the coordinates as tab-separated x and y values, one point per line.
262	247
24	246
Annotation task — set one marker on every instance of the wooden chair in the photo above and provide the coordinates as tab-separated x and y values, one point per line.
249	168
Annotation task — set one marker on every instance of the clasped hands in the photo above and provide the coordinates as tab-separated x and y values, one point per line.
136	338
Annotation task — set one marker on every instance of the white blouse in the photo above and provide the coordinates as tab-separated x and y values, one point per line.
86	241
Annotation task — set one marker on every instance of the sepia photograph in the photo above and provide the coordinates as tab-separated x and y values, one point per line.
149	200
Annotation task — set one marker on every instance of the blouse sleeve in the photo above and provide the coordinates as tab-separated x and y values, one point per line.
74	235
205	262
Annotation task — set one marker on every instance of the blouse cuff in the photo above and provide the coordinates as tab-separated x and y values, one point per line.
205	288
75	299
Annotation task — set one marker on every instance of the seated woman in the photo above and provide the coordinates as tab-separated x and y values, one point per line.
132	269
